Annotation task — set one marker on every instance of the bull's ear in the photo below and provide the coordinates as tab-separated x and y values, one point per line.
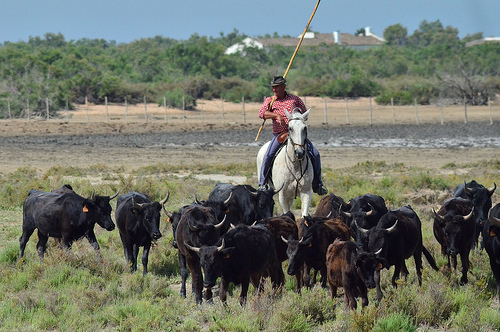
227	253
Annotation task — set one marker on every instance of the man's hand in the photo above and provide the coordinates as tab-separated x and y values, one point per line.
280	119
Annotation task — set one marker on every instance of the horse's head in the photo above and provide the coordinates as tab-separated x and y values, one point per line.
297	132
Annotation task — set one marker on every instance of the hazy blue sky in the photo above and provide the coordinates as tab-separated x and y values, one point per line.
127	20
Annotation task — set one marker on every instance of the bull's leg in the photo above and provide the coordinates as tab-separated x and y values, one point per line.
27	232
307	276
323	276
135	253
397	270
208	294
197	278
184	273
464	257
244	291
418	266
90	235
41	245
145	256
298	281
224	285
349	300
363	292
333	289
376	278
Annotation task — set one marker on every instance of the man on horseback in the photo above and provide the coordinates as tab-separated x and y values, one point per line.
283	103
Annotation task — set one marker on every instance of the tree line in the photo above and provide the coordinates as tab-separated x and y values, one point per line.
432	65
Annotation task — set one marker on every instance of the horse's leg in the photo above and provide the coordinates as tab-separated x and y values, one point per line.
284	202
305	198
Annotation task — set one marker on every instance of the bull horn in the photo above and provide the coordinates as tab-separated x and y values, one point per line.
166	212
467	217
301	240
226	202
197	201
219	225
362	230
369	213
221	246
192	248
92	197
283	239
328	215
140	205
378	251
492	190
164	201
254	223
232	226
390	229
252	193
347	214
111	197
494	220
467	190
191	227
437	215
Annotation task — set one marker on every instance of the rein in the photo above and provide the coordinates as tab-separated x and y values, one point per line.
302	172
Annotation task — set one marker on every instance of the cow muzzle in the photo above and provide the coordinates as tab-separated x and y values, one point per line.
156	235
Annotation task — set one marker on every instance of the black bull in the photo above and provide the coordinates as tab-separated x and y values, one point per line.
491	241
454	226
397	237
66	216
246	253
138	220
481	200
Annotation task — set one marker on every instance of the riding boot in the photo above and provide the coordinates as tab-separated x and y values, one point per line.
317	183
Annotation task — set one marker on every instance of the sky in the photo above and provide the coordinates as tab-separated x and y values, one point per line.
124	21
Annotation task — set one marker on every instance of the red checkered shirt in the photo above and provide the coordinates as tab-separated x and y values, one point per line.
280	106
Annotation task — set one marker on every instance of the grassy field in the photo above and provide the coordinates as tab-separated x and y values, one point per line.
75	290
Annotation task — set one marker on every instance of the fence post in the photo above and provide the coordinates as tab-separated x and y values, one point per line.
146	109
416	111
67	110
442	114
165	105
465	110
87	108
371	112
8	106
28	104
393	112
346	111
184	109
489	107
47	107
243	105
223	115
106	103
325	110
126	110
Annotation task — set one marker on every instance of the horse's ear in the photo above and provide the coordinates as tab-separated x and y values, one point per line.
306	114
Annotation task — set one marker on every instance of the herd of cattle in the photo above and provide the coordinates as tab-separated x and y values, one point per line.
234	236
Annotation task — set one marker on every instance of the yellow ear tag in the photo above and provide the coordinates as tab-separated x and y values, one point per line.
492	233
85	208
310	245
305	223
226	257
379	266
168	219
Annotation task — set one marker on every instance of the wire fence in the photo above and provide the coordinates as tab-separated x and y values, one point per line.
324	111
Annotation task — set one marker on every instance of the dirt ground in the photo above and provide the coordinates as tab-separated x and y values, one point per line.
140	145
81	138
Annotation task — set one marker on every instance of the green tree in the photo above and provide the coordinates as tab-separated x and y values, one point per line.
396	35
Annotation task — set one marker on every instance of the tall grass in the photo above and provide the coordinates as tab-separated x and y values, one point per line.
77	290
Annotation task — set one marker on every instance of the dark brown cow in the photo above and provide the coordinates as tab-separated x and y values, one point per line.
491	240
332	206
348	267
309	252
454	229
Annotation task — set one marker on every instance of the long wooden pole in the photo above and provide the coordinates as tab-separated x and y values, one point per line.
290	63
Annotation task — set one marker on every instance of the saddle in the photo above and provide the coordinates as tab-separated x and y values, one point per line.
282	137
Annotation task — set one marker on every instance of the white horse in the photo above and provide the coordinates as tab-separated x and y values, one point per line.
292	169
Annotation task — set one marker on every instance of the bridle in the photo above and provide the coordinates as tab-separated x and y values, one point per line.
302	172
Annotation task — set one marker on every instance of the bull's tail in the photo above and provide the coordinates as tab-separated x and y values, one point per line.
429	258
